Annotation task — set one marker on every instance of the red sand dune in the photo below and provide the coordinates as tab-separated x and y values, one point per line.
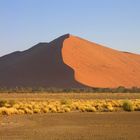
67	62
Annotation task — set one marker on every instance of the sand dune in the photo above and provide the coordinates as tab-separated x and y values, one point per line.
99	66
40	66
67	62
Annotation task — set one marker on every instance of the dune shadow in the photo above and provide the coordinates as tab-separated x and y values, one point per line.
40	66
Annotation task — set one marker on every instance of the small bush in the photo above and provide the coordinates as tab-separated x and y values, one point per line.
128	106
65	102
45	110
11	103
67	109
53	109
8	111
3	103
90	109
28	111
36	110
110	108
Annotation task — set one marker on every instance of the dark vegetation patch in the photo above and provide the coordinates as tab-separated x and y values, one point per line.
68	90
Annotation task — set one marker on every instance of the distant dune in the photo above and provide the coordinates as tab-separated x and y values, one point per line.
70	62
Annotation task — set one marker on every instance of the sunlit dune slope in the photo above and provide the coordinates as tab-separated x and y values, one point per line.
98	66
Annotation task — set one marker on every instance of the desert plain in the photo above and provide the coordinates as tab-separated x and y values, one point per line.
81	123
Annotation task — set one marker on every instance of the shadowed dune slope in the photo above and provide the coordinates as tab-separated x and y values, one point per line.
70	62
98	66
40	66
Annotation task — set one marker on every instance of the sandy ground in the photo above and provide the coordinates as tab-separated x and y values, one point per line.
71	126
83	96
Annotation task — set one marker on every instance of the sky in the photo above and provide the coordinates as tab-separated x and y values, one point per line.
113	23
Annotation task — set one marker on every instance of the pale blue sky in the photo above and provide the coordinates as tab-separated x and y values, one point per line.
114	23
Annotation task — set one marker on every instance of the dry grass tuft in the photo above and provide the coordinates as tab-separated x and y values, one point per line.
61	106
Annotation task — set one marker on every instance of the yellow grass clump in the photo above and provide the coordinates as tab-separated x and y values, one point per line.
67	105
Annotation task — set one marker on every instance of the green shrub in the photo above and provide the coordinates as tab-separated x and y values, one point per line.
3	103
128	106
65	102
120	89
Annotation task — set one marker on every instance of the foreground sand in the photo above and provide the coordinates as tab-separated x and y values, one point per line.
119	125
71	126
